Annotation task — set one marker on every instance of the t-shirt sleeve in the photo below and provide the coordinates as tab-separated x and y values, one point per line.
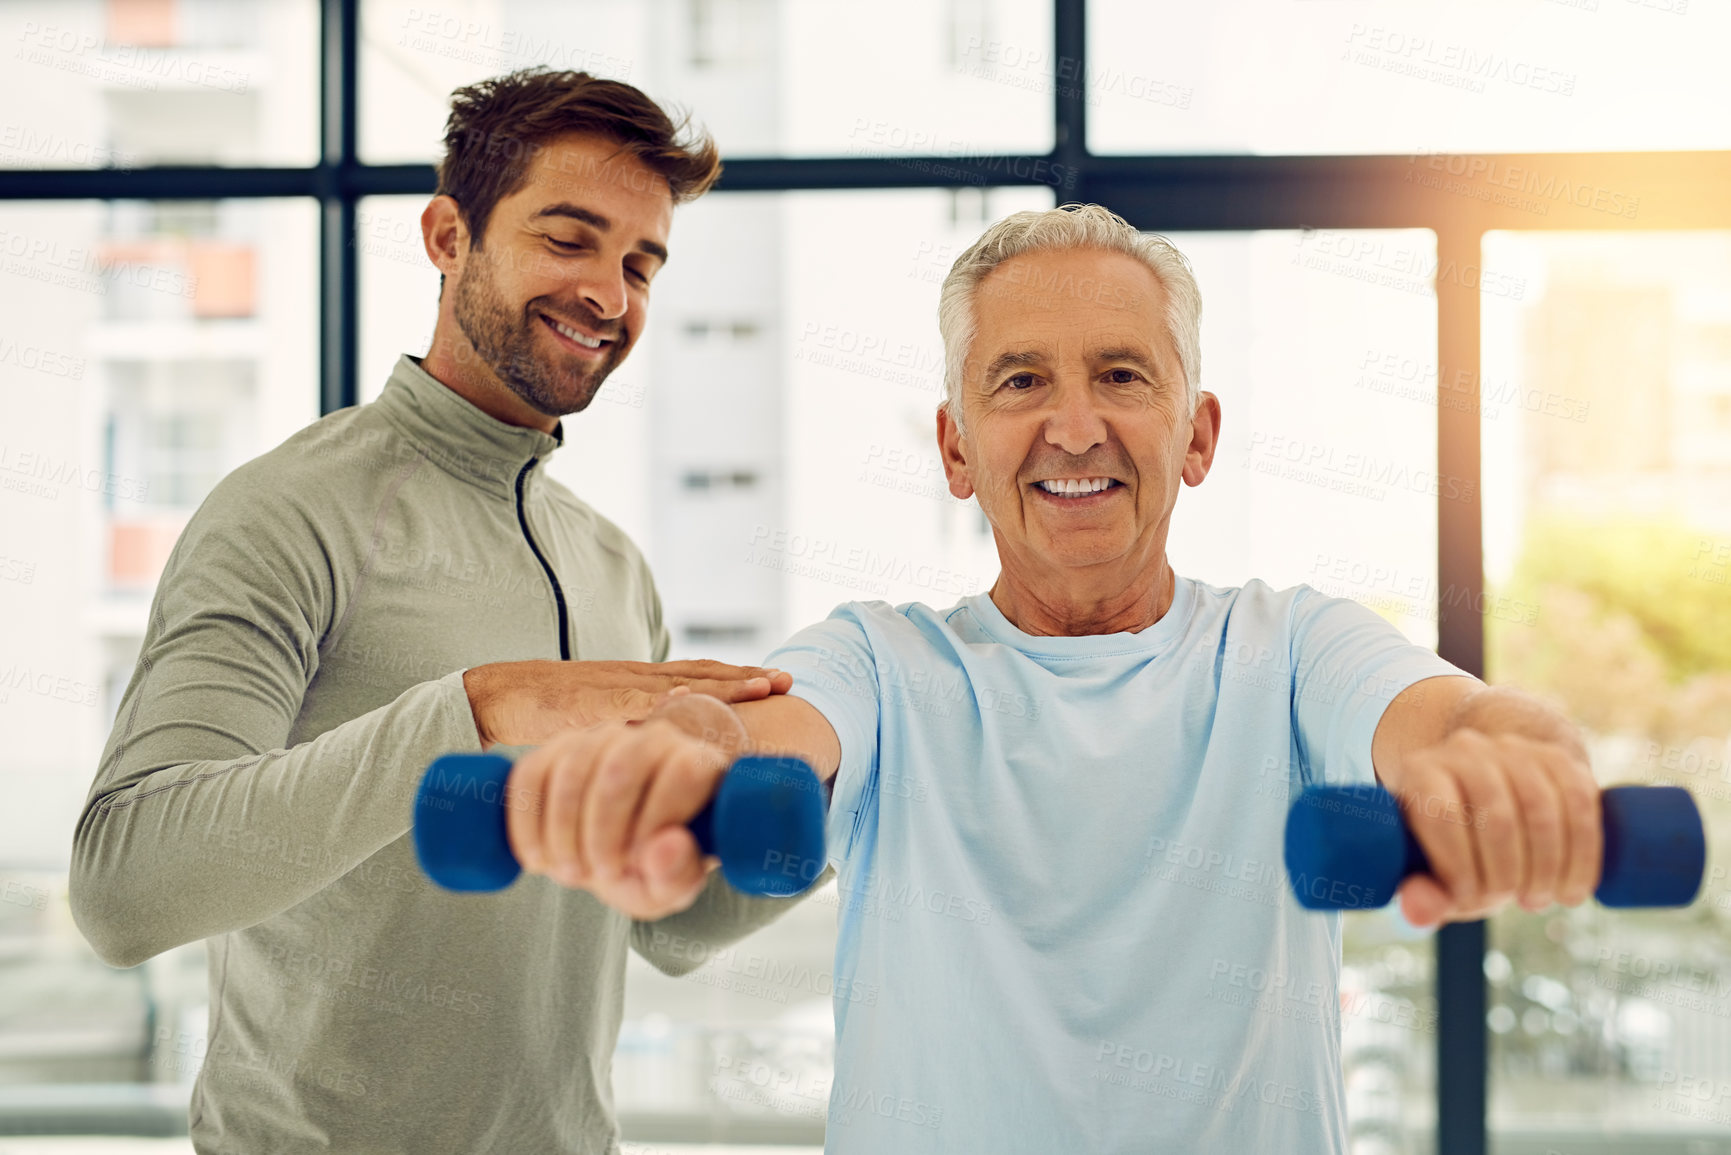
1348	664
834	669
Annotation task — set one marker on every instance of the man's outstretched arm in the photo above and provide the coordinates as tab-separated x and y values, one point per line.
604	808
201	764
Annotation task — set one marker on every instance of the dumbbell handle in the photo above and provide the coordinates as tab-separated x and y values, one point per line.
1349	848
765	823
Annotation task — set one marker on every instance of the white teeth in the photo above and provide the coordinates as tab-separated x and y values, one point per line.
1072	486
586	342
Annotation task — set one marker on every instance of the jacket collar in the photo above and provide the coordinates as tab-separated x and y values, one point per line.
457	437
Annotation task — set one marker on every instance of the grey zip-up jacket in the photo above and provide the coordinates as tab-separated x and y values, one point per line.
302	665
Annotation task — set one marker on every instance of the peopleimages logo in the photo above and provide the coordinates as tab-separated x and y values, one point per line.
23	894
846	1101
1349	895
38	359
1349	471
953	158
43	149
852	566
455	36
777	974
55	687
1493	179
1035	68
1422	57
86	269
82	51
1190	1080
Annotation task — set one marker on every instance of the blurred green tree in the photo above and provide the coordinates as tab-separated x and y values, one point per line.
1633	629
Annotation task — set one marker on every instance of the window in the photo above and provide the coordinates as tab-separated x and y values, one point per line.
1607	543
1273	76
160	327
123	84
767	77
141	359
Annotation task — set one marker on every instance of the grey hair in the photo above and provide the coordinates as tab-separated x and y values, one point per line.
1071	226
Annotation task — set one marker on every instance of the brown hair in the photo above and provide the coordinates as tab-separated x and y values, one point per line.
498	125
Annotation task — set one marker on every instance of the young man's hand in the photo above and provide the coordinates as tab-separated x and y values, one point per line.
527	703
604	808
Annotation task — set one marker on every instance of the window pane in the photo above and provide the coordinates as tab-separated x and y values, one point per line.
1273	76
146	350
123	83
766	77
1607	466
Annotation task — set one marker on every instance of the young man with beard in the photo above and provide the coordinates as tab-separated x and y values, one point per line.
396	581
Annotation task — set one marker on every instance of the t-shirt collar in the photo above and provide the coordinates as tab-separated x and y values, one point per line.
1151	640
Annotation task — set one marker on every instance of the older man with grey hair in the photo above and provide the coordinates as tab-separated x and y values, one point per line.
1058	805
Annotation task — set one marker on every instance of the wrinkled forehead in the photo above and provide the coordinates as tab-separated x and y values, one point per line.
1041	306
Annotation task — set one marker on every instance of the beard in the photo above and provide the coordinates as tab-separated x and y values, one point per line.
506	342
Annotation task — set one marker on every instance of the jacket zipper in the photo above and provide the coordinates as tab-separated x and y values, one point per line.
558	594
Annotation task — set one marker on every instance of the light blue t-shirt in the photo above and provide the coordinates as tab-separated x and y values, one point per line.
1065	924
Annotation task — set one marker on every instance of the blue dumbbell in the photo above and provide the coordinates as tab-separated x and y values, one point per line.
765	823
1348	847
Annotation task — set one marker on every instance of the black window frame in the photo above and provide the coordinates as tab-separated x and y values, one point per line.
1676	190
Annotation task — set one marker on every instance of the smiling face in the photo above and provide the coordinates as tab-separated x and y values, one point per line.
556	293
1079	429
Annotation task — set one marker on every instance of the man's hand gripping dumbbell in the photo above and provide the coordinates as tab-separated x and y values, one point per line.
636	813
